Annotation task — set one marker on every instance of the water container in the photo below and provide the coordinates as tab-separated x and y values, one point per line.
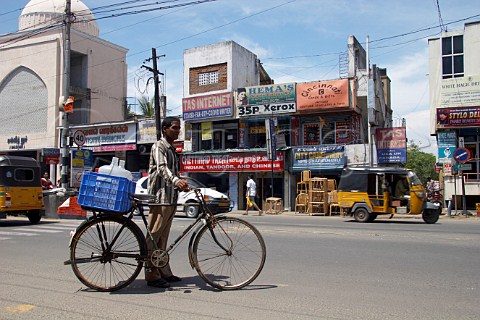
120	171
108	169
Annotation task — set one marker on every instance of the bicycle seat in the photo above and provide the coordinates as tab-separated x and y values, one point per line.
144	197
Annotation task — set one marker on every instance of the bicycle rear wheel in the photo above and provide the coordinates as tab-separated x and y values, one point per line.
238	263
104	270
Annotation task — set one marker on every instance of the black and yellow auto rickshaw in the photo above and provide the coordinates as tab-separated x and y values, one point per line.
20	188
366	192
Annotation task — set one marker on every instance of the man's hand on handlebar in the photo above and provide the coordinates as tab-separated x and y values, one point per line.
182	185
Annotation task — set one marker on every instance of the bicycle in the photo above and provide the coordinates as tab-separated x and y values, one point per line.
108	251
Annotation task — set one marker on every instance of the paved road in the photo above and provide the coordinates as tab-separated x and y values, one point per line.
317	268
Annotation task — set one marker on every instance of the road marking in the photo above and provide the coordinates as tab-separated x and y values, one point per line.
36	230
20	308
55	227
9	233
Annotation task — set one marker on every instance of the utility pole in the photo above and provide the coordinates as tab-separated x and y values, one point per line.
156	99
66	93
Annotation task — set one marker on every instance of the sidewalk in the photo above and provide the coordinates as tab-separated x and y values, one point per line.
460	216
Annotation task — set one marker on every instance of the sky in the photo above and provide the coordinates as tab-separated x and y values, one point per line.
295	40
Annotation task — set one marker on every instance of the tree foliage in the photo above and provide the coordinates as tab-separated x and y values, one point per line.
421	162
146	107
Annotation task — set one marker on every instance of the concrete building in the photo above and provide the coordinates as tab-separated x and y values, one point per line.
454	79
234	112
31	78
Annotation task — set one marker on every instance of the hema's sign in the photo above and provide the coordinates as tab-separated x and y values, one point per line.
266	100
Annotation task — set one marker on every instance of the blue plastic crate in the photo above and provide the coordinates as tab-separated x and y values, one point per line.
105	192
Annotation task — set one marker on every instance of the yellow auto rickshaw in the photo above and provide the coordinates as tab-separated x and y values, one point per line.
20	188
366	192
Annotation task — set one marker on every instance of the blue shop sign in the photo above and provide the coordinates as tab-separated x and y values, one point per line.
318	157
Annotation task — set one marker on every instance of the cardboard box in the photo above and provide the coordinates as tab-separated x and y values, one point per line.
402	210
396	203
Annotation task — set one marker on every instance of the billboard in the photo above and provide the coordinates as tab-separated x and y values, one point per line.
322	95
458	117
269	99
208	107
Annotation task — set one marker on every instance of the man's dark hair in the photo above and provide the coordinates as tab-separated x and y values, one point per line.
250	176
167	122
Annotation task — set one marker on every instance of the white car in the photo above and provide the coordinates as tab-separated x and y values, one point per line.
217	202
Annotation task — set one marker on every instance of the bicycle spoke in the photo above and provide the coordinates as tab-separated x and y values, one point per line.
103	268
236	267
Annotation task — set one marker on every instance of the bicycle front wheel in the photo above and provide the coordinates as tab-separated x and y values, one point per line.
230	254
102	269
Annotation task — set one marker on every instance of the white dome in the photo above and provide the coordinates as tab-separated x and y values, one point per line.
41	13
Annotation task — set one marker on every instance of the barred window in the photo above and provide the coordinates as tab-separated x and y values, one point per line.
452	57
206	78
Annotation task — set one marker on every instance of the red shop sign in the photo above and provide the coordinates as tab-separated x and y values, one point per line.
233	162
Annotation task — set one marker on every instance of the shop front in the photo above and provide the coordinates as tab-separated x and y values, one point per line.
108	140
227	172
323	161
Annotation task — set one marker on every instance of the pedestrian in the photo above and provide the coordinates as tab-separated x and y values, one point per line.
164	183
47	184
402	189
251	194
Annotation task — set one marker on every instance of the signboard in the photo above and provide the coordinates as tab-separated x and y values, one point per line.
312	96
208	107
391	145
79	138
232	162
447	168
318	157
460	92
113	134
342	132
462	155
446	141
311	133
271	139
207	130
465	166
269	99
51	152
458	117
147	131
81	160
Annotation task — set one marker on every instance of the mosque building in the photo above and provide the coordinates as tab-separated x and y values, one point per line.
31	79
